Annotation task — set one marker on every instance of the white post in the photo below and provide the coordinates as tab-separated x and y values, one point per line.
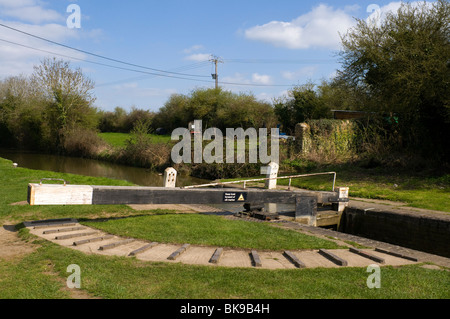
343	198
272	172
170	177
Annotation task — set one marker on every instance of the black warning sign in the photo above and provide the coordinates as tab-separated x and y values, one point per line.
231	197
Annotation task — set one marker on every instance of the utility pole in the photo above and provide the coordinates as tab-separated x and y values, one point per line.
216	60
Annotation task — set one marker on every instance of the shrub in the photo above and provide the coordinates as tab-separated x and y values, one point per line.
83	142
141	151
329	141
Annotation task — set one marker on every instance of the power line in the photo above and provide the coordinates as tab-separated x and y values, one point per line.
102	64
147	77
281	61
96	55
143	72
175	75
258	85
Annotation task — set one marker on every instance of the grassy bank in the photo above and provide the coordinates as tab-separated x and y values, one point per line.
211	231
119	139
42	273
122	278
425	190
420	188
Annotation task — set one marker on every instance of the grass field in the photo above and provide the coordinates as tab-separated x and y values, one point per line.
119	139
42	272
412	189
211	231
42	275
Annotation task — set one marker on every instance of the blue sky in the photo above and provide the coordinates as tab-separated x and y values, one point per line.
267	47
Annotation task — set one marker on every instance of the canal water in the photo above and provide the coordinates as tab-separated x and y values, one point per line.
95	168
89	167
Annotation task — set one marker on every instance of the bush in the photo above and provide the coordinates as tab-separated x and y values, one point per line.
224	171
141	151
329	141
216	108
83	142
121	121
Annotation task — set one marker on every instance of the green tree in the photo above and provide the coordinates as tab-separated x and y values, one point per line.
302	103
21	106
403	64
69	98
173	114
339	95
216	108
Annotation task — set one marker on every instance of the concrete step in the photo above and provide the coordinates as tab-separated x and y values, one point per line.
89	240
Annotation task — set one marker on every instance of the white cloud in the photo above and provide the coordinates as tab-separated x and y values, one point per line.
22	52
246	79
193	49
29	11
378	14
318	28
16	3
236	78
198	57
33	14
138	91
20	59
307	71
261	79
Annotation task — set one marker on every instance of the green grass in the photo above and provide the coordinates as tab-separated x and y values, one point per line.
129	278
211	231
414	189
14	187
42	274
119	139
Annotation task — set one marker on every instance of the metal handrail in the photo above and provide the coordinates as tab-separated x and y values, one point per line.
266	179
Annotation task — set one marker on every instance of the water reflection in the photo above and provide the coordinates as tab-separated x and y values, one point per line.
89	167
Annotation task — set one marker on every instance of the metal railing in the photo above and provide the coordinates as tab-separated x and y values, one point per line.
266	179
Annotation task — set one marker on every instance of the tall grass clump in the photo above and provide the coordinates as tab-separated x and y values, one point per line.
140	150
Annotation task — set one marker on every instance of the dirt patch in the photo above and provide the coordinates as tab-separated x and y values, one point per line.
74	293
23	203
11	246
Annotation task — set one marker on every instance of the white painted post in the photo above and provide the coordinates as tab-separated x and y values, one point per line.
343	195
170	177
272	172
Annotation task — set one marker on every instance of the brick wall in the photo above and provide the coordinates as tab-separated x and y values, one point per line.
416	231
